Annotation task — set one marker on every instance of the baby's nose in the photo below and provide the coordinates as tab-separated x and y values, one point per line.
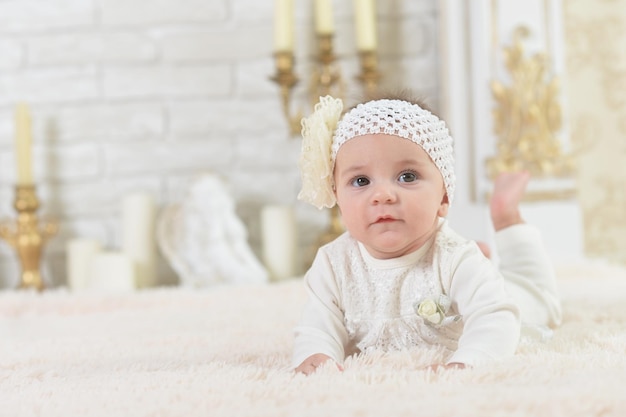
383	193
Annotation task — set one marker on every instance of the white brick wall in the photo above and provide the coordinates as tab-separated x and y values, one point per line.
146	94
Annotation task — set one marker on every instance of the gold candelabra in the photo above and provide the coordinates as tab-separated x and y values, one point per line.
325	80
369	76
28	236
286	80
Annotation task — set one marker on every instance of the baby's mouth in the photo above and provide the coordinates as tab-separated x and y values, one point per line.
385	219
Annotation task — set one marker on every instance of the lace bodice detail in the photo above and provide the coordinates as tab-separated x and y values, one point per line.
379	297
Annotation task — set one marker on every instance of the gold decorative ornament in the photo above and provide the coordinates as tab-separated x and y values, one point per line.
28	236
527	117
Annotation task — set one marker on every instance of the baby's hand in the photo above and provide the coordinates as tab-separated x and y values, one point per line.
310	364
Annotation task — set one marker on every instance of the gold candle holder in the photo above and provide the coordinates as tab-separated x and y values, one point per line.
28	236
370	76
326	78
286	80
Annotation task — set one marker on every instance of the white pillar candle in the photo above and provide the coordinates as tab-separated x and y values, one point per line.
138	236
80	252
324	17
283	25
279	245
365	16
112	272
23	145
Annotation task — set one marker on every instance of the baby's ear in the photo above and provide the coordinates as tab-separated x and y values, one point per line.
444	206
336	199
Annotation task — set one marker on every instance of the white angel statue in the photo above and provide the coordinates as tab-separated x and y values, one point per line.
205	241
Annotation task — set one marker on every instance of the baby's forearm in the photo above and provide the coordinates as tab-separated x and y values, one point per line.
310	340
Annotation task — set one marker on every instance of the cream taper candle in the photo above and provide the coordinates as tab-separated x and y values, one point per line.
283	25
23	145
80	253
279	241
365	16
139	237
324	24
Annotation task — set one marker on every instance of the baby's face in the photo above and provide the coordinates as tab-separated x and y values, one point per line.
390	194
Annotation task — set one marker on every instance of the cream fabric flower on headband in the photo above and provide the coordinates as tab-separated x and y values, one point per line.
315	159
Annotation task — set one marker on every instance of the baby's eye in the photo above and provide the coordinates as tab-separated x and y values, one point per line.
407	177
360	182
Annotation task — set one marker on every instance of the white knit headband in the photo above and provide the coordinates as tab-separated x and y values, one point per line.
323	134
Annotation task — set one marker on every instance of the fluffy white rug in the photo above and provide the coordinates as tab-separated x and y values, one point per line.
226	352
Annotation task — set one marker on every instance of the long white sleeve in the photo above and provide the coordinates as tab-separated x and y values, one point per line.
321	328
491	318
